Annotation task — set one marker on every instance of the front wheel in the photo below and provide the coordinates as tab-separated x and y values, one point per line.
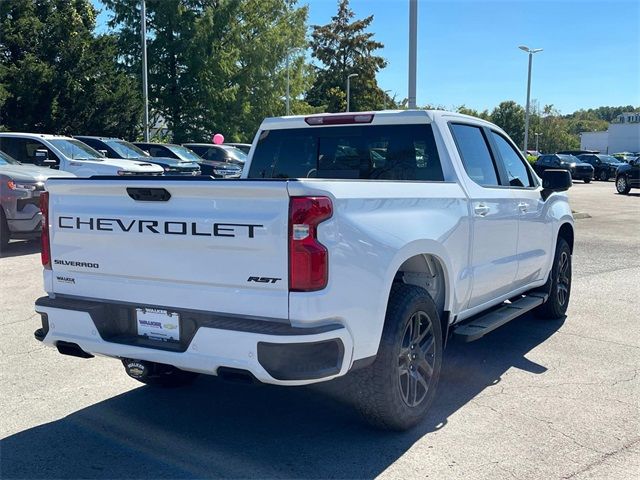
559	284
622	185
587	180
604	176
395	392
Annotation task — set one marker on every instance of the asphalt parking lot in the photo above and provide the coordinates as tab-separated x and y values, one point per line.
535	399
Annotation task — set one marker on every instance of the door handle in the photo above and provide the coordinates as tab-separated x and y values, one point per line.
481	210
523	207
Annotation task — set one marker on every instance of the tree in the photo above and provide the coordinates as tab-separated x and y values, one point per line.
344	47
484	115
215	66
509	116
57	77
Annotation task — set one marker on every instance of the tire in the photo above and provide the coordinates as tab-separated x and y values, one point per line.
622	185
559	284
158	375
587	180
4	231
604	176
396	391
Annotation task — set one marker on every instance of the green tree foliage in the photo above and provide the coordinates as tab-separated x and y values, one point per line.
343	47
56	76
484	115
510	117
216	65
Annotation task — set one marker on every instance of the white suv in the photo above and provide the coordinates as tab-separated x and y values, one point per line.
70	155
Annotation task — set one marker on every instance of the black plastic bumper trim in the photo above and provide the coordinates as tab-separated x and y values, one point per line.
116	322
301	361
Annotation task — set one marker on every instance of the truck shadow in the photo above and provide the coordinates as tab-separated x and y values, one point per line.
20	247
222	430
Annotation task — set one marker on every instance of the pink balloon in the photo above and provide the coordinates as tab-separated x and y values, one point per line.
218	139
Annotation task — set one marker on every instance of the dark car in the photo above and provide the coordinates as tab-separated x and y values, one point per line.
207	167
245	147
605	166
579	170
212	153
117	148
628	176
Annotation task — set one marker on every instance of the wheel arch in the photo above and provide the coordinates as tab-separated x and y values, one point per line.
566	232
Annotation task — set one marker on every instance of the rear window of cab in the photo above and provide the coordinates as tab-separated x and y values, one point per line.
372	152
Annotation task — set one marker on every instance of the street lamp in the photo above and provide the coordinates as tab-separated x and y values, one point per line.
287	96
537	135
349	77
145	90
530	51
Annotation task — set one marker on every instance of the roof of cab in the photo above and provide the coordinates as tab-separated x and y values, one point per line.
384	117
44	136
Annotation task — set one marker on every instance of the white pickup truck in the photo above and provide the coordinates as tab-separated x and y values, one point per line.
353	243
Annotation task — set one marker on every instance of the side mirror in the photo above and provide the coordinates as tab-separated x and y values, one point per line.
103	152
555	181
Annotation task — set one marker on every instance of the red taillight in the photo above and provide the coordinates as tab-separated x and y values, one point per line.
45	252
308	258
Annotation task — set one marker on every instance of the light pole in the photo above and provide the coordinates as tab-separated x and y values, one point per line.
413	51
349	77
530	51
145	91
537	136
287	96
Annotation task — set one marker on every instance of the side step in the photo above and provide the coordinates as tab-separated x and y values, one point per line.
479	326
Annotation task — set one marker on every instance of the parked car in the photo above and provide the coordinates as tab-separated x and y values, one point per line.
292	280
625	156
219	153
222	160
118	148
70	155
578	169
245	147
604	166
20	188
576	152
207	167
628	176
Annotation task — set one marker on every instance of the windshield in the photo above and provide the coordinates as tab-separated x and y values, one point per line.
236	154
608	159
75	149
569	159
184	153
7	160
126	149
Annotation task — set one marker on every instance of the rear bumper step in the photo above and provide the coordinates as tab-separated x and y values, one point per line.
272	351
479	326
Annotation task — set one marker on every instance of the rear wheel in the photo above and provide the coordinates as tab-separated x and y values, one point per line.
587	180
395	392
622	185
559	284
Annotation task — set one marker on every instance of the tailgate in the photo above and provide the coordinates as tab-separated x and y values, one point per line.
217	246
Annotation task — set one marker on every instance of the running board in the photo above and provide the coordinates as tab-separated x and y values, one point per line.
488	322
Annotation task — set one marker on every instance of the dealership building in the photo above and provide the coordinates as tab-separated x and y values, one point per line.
623	135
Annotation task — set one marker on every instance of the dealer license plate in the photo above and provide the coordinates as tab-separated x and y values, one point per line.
158	324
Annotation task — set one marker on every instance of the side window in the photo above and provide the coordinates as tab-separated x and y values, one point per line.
555	162
475	154
24	150
156	151
517	171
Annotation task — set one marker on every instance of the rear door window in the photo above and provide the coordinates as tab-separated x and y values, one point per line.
377	152
475	154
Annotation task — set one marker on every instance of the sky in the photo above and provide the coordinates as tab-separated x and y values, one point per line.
468	50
